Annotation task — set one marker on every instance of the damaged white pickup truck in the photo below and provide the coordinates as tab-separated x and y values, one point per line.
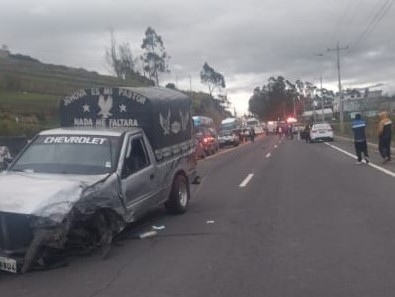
119	153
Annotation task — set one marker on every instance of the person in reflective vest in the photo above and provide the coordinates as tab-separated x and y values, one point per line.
385	132
358	128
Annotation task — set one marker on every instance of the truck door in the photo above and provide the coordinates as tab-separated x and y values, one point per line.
138	174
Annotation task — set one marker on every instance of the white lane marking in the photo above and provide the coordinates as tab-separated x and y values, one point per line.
246	180
386	171
275	146
341	150
267	155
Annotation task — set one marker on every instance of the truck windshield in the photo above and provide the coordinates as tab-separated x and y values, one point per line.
69	155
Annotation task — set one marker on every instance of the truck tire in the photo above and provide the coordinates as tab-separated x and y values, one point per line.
179	196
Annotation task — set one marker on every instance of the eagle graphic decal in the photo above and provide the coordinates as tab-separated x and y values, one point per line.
165	122
105	106
184	120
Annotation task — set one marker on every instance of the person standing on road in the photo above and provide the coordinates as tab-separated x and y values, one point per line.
358	129
384	132
290	132
280	131
252	134
306	133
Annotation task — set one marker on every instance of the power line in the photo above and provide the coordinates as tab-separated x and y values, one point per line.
341	22
375	20
357	12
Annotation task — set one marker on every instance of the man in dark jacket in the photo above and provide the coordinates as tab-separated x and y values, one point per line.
385	131
358	128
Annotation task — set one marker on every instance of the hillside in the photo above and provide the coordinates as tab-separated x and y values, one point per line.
36	77
30	91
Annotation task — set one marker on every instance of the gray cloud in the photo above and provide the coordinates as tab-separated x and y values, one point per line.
247	41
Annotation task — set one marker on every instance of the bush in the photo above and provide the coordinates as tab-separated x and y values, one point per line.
11	83
10	127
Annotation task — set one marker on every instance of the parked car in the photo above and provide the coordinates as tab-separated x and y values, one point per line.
214	134
199	149
321	132
228	137
206	140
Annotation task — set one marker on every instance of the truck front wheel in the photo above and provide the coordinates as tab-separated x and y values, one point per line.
179	196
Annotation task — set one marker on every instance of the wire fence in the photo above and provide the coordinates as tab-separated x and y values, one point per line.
371	129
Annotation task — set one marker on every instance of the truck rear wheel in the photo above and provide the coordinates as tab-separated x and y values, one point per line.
179	196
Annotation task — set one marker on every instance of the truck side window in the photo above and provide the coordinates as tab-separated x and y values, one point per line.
137	158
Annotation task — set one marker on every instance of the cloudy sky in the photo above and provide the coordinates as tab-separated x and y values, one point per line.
247	41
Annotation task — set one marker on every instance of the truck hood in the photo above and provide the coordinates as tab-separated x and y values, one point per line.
42	194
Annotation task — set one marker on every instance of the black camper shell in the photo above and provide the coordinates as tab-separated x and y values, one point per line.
163	114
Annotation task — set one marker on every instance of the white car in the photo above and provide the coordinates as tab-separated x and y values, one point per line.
321	132
228	138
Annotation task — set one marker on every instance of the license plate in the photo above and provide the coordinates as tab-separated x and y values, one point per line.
322	132
8	264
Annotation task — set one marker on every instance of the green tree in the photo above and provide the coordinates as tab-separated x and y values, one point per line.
258	103
214	80
278	98
120	59
204	104
155	58
127	62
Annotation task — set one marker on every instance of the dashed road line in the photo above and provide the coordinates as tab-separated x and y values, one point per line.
246	180
386	171
268	155
276	146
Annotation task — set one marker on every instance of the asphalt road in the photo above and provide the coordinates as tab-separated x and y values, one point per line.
269	219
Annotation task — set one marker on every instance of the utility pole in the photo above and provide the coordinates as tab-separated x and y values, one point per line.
190	87
322	101
338	49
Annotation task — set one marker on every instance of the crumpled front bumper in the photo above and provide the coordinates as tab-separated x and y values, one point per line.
16	235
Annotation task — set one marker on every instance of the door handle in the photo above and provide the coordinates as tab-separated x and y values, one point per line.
151	176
